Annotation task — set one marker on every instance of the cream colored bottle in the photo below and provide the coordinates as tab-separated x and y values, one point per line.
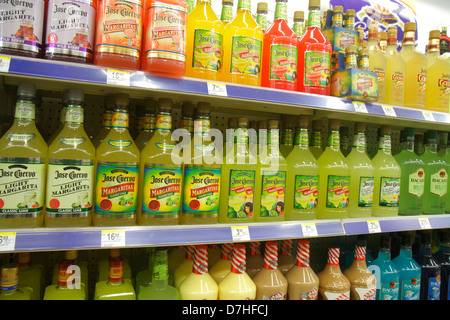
185	268
222	267
333	285
255	259
285	258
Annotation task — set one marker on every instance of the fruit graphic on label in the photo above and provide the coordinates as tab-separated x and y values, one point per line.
54	203
105	204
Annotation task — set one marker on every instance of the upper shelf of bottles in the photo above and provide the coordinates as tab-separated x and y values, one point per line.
98	80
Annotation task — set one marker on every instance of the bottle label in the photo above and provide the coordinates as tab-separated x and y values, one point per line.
365	198
106	119
70	27
116	188
163	122
244	4
21	26
434	288
120	143
74	114
70	188
161	193
313	294
299	28
438	183
416	184
338	191
120	119
20	137
246	56
207	50
336	295
389	192
314	19
261	20
444	89
119	27
25	110
306	192
283	62
148	122
275	296
301	137
410	289
72	141
366	293
22	186
421	85
201	190
241	193
281	11
166	32
272	193
226	14
317	69
389	291
188	124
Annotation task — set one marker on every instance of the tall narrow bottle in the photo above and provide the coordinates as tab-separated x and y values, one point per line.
159	194
395	71
416	72
303	183
23	154
314	55
387	177
226	15
117	171
333	285
148	122
315	143
199	285
436	176
377	60
71	163
204	51
255	259
200	195
299	23
430	284
222	267
334	178
280	53
237	285
243	66
10	289
437	95
270	282
270	178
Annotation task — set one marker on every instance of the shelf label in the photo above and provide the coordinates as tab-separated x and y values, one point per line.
118	77
373	226
428	116
309	229
7	241
424	223
389	111
112	238
4	64
217	89
240	233
359	106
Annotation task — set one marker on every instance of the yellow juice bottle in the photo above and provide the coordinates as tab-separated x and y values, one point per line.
242	40
416	70
226	15
10	288
147	124
160	176
362	176
204	37
270	180
70	170
303	180
117	171
334	178
395	71
202	176
222	267
106	121
377	60
438	76
23	153
386	178
71	258
31	275
185	267
238	179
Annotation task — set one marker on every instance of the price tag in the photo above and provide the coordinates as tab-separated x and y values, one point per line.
7	241
113	238
359	106
309	229
424	223
240	233
4	64
373	226
118	77
428	116
217	89
389	111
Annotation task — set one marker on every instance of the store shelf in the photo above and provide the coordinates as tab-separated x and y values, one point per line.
59	75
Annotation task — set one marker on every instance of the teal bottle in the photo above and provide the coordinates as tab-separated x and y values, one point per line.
412	179
385	272
409	270
430	284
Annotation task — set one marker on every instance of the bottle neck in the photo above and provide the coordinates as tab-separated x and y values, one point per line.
302	138
314	18
333	257
227	12
299	28
200	265
384	254
160	275
431	146
360	142
316	138
244	5
408	144
349	23
281	10
226	252
148	122
302	259
115	271
74	115
385	144
25	111
106	120
338	20
271	257
163	122
287	138
188	124
120	119
255	248
238	264
334	140
261	20
434	46
405	252
409	39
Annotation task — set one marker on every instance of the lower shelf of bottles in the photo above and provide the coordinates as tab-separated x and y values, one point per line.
44	239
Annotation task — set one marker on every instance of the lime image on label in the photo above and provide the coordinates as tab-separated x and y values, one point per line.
389	192
337	191
283	62
306	192
241	193
365	198
273	193
246	56
207	50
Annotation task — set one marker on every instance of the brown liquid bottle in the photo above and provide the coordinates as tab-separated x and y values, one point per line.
255	260
303	283
286	260
333	285
270	282
362	281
